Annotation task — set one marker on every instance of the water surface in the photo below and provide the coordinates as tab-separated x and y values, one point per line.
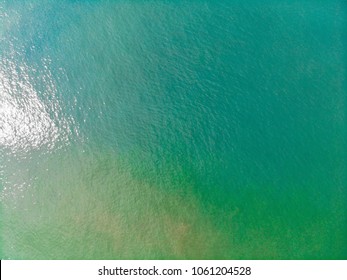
173	130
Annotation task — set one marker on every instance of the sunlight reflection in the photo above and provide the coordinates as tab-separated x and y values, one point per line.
26	121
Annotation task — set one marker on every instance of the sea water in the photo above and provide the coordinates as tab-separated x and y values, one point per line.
173	129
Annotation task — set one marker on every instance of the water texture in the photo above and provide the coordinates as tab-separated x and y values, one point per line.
173	129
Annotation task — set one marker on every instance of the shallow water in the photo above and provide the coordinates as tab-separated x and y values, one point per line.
173	130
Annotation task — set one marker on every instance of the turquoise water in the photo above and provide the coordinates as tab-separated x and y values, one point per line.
173	129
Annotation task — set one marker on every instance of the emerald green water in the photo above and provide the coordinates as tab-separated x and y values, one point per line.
173	130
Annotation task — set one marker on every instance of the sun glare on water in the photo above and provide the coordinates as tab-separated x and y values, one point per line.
28	117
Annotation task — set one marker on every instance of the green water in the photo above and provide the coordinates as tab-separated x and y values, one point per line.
173	129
